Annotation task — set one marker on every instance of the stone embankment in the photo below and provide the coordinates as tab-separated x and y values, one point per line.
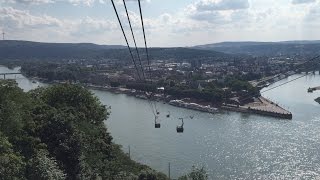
261	106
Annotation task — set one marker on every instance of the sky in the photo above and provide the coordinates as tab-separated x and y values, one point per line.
168	23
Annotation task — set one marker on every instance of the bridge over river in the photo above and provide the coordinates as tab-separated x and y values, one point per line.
6	74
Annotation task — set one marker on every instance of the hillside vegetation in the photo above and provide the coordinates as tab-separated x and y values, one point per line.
58	133
286	48
25	50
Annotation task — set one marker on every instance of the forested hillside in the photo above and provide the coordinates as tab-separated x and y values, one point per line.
58	133
24	50
287	48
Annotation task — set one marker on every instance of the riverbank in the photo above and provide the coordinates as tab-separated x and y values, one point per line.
260	106
267	81
184	103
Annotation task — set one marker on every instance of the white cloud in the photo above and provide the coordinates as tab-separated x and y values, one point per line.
14	18
84	2
203	21
20	24
36	2
89	25
302	1
217	11
313	15
216	5
121	1
73	2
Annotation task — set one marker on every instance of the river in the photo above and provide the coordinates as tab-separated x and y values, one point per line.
229	145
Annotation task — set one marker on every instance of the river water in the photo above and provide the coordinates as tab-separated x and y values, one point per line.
229	145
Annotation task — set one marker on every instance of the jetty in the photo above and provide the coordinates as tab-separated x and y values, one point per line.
261	106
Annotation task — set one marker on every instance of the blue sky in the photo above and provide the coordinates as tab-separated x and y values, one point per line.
168	22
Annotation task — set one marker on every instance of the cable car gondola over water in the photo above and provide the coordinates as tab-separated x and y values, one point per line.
140	70
156	123
180	128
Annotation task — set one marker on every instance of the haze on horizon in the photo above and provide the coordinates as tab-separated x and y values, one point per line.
168	23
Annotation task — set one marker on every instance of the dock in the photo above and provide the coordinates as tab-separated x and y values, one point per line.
266	107
261	106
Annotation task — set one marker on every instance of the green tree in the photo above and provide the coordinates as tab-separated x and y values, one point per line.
75	100
60	132
44	167
12	165
195	174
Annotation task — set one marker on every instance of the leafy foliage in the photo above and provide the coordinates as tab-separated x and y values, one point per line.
43	167
59	133
12	165
195	174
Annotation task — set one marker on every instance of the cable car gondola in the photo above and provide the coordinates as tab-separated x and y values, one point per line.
141	74
180	128
157	125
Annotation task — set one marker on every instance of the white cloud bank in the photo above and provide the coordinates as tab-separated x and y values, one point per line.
302	1
201	22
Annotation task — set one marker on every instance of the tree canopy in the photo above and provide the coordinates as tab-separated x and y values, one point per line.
59	133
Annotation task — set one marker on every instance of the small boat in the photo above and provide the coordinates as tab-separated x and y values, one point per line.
168	115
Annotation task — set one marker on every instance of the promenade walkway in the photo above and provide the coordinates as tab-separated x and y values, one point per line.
265	105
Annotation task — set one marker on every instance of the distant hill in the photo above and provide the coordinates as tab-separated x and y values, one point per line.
36	50
186	54
265	48
27	50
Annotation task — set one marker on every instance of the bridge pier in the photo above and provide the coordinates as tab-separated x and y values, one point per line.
4	76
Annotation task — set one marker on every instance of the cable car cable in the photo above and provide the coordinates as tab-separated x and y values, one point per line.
125	37
144	36
134	39
146	48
